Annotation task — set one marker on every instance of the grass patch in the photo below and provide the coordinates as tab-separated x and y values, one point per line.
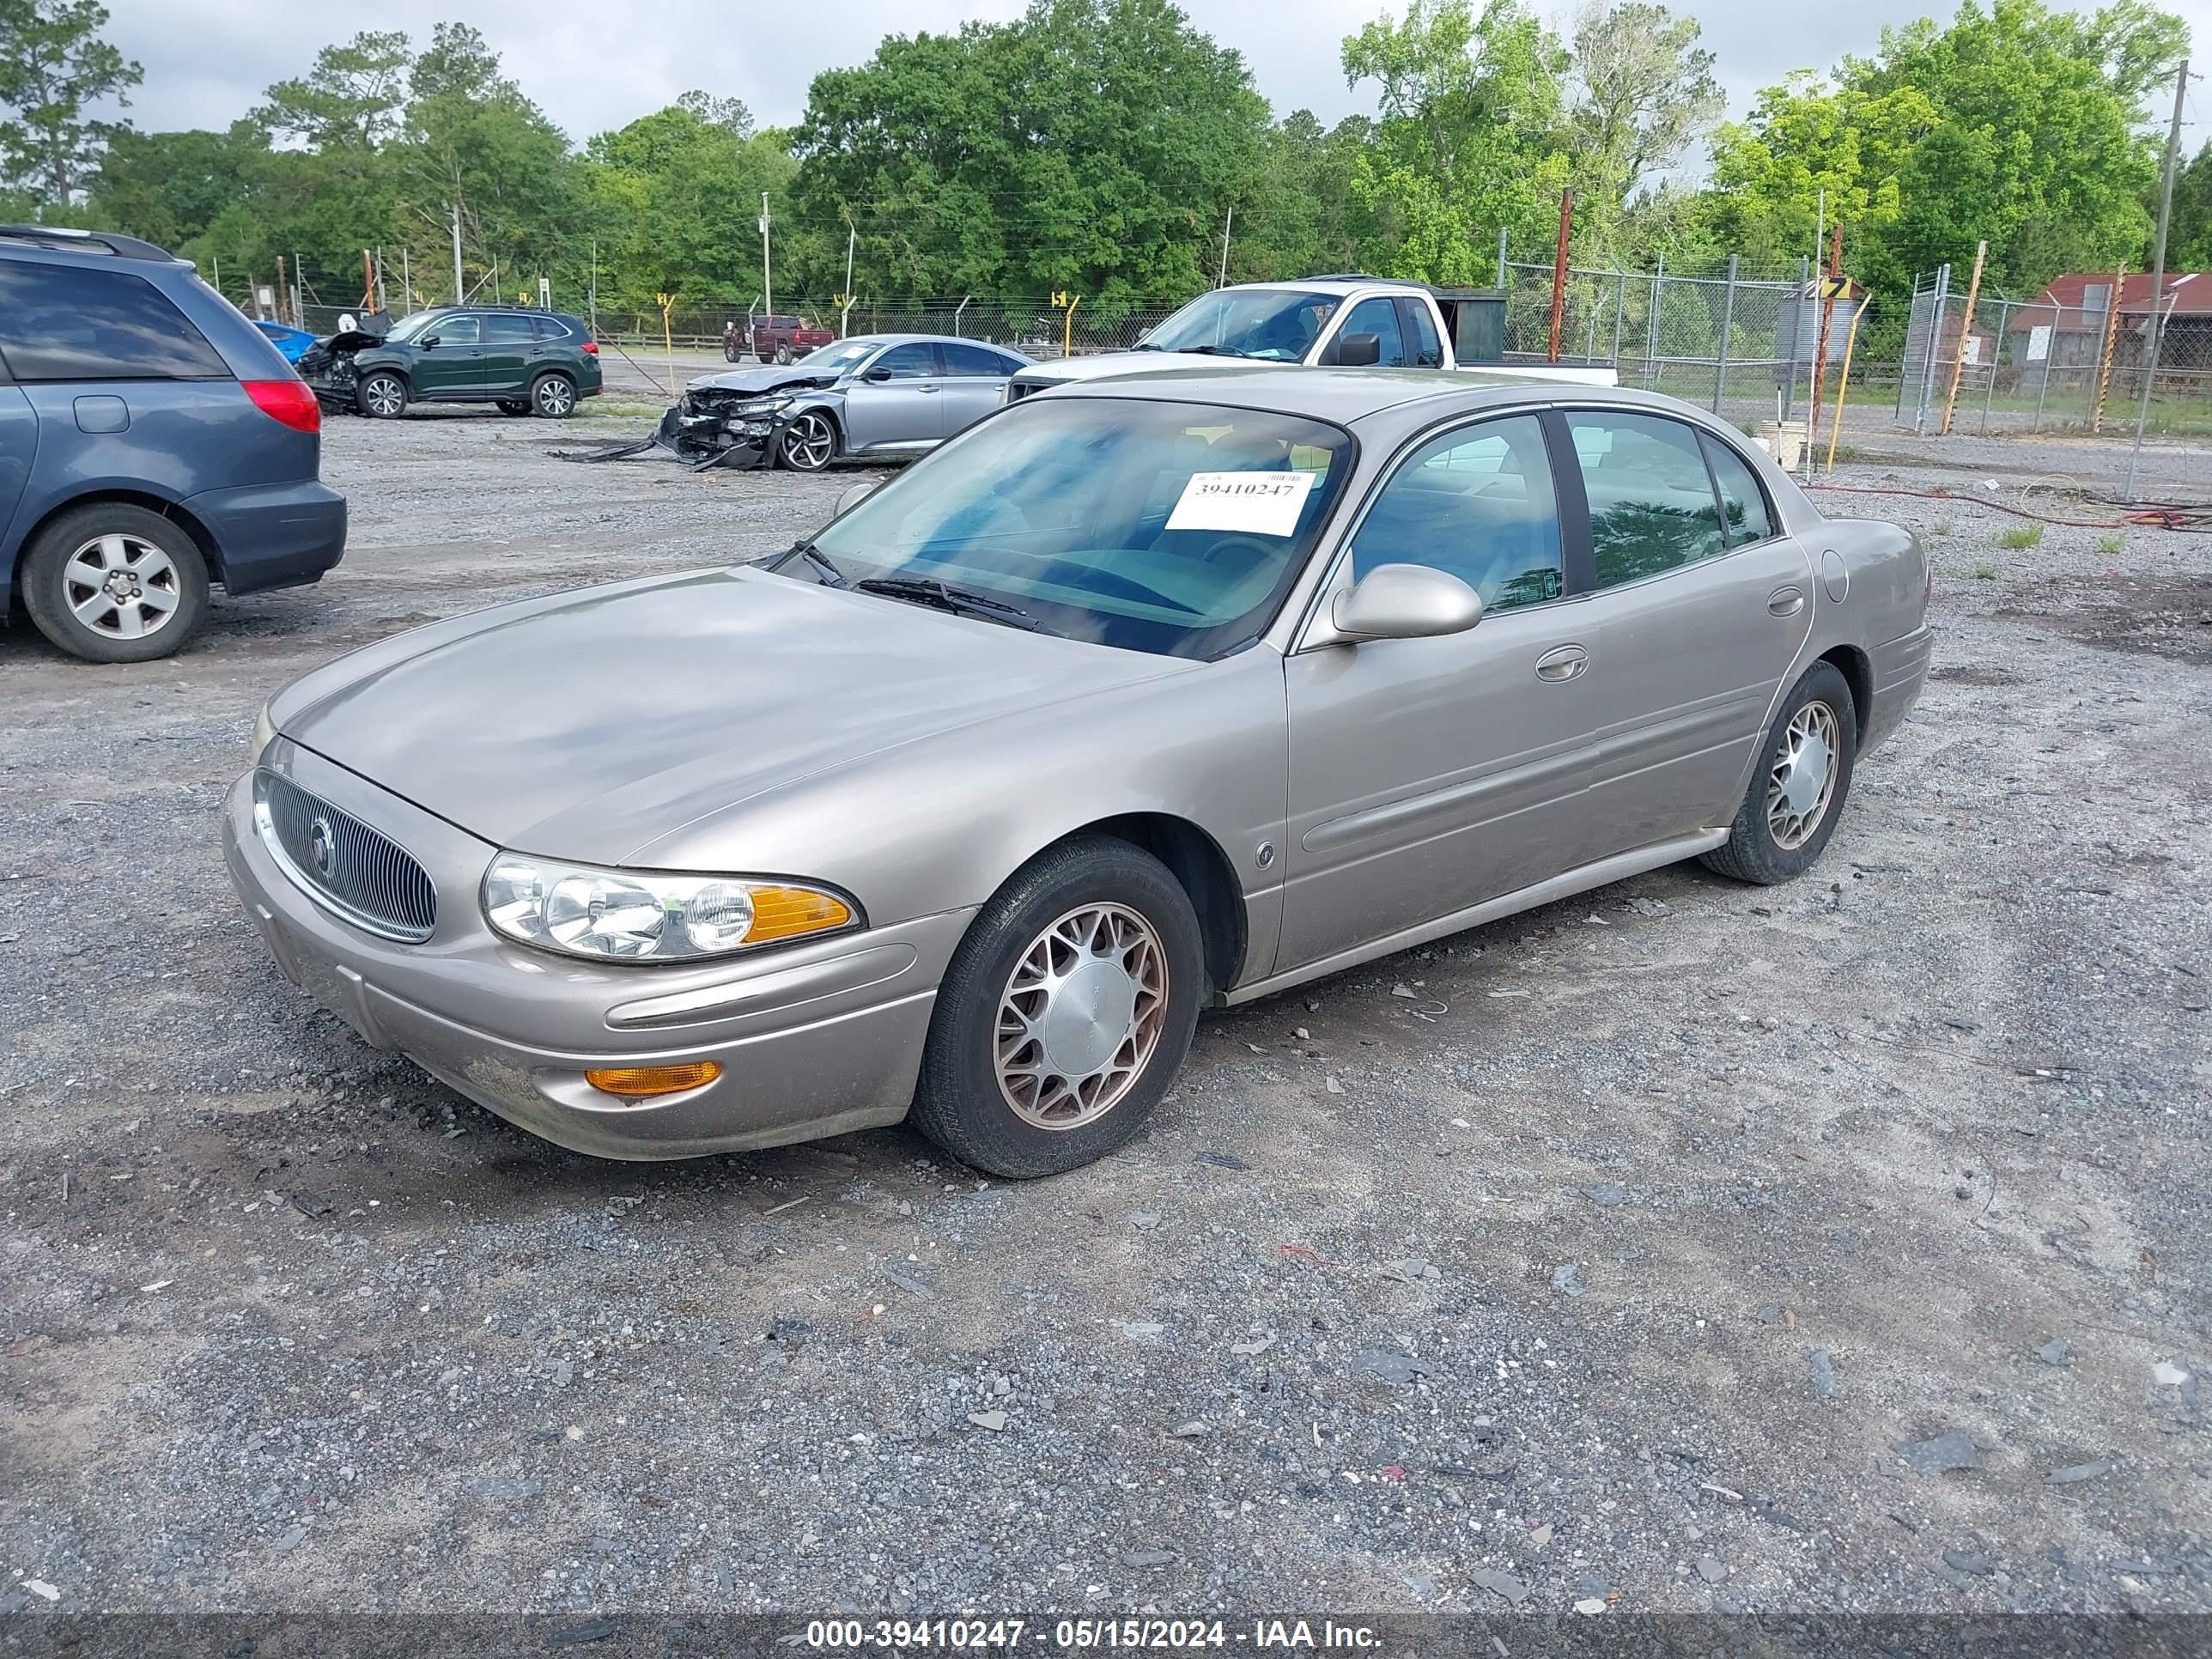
1985	573
2111	544
1942	527
2020	538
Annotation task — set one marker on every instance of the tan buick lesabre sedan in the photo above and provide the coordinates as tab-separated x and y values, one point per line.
1138	695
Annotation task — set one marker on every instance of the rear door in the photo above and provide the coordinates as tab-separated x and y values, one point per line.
1701	608
450	362
897	401
19	449
973	377
505	360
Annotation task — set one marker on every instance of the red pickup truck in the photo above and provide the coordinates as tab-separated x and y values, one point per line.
779	338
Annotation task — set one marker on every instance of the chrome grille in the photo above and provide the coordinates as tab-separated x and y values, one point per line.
349	869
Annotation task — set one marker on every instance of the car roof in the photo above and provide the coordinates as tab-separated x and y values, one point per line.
1347	396
923	339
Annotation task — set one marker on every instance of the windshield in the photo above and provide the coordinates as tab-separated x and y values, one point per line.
1276	325
410	327
839	358
1168	527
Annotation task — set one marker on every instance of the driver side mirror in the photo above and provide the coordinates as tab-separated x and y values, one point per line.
429	343
852	497
1404	602
1356	350
877	375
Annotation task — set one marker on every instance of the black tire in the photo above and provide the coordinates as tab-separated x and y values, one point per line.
515	405
553	397
374	395
157	556
809	443
959	1103
731	355
1754	852
782	353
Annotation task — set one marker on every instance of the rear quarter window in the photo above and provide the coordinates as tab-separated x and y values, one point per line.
65	323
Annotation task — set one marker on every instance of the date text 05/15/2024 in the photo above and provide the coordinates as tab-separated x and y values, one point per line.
1133	1634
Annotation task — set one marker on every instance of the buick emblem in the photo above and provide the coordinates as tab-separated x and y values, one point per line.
322	843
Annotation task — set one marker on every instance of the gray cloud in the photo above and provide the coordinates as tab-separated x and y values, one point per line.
207	61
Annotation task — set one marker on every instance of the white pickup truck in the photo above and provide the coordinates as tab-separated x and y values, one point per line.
1341	321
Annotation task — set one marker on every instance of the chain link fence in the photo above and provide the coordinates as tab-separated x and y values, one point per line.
2039	365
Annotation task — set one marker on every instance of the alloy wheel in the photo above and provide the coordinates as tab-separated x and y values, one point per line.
556	396
121	586
809	443
1080	1017
384	396
1801	780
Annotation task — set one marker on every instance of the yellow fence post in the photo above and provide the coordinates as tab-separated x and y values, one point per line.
668	338
1067	331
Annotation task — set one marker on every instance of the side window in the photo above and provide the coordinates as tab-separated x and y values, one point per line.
1478	502
1380	318
1420	325
976	361
1743	503
915	361
456	332
1651	501
547	329
506	329
62	323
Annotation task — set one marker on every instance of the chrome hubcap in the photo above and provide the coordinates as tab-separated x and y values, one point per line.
1081	1017
809	443
1801	780
122	588
553	397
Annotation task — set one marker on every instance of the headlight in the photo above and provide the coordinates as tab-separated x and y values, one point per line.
635	915
264	733
761	406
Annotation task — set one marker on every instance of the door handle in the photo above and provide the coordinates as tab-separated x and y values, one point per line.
929	388
1562	662
1785	601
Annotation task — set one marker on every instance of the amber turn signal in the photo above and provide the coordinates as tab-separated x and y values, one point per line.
788	912
644	1082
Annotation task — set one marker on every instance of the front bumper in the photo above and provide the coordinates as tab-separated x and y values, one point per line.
814	1040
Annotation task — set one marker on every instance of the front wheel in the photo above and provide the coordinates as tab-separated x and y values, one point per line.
809	443
1065	1012
553	396
382	395
115	583
1797	790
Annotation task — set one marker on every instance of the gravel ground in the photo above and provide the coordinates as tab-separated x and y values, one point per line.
1612	1251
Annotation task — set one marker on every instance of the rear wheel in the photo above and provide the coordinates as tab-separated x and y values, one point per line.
554	396
114	583
1065	1012
1797	790
783	351
809	443
382	395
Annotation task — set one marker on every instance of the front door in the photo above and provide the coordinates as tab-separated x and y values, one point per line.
897	402
503	363
1701	608
1427	776
452	367
974	375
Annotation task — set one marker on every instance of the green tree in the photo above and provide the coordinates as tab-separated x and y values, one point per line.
2189	240
675	194
352	99
53	65
1091	144
169	187
1644	92
1467	140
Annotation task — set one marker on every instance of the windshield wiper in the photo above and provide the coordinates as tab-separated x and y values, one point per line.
816	561
927	590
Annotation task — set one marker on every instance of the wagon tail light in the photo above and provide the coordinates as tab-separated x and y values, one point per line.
290	402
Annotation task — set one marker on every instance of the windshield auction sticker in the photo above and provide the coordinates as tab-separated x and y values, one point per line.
1259	503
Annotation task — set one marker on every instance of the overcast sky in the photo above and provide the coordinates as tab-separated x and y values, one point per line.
207	61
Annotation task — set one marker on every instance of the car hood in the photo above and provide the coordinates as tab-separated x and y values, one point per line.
1134	362
760	380
587	725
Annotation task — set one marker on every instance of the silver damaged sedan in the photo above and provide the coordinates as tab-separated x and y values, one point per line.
1141	694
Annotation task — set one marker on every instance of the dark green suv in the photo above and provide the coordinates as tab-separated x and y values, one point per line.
528	362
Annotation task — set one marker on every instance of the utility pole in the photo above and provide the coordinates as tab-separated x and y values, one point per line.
1228	219
594	299
454	219
852	237
768	288
1559	271
2154	323
298	278
280	288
